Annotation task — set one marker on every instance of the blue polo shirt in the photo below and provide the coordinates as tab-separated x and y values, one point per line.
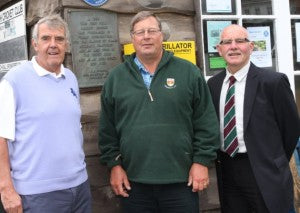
145	74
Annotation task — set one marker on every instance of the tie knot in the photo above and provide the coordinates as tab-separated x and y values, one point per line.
232	79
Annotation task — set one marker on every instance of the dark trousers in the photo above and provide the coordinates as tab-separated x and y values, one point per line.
72	200
238	188
160	198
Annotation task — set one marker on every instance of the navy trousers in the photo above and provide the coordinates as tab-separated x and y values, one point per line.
160	198
238	189
72	200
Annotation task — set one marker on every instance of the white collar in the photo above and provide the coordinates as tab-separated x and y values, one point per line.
240	74
42	71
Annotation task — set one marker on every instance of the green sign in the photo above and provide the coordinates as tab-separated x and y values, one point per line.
216	62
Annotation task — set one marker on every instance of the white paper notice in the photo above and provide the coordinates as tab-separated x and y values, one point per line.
12	22
261	55
214	29
218	6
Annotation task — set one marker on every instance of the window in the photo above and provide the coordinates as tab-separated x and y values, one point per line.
261	25
257	7
222	7
246	11
295	24
295	7
261	32
257	10
269	9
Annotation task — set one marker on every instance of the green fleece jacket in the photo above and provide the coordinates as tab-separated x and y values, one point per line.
157	134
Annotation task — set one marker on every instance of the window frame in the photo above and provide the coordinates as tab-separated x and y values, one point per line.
281	18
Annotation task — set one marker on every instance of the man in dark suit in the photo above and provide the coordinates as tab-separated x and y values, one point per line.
262	126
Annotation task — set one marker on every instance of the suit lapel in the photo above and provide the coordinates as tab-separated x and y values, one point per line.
218	86
250	93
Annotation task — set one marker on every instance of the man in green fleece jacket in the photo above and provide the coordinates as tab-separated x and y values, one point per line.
158	128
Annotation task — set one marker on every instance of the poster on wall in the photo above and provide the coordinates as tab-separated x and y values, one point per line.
13	45
214	29
217	6
216	61
262	54
297	29
181	49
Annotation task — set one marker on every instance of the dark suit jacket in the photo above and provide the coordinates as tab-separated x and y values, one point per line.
271	130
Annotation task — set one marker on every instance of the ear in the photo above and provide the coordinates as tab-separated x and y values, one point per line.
251	45
34	44
219	49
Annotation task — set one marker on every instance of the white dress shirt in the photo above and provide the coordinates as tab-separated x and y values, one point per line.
240	84
7	100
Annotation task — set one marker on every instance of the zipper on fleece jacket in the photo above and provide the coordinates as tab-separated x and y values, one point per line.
150	95
148	89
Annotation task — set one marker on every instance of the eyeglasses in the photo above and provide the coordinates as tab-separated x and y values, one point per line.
150	31
237	41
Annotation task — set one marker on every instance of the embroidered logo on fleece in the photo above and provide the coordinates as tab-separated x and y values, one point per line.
73	92
170	83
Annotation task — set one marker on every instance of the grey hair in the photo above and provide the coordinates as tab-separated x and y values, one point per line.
53	21
141	16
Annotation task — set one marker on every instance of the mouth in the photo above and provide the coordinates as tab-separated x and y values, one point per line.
53	53
146	45
234	54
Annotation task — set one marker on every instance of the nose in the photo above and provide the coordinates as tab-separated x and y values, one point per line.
233	45
146	34
53	42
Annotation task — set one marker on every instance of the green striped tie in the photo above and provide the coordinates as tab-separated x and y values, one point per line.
230	134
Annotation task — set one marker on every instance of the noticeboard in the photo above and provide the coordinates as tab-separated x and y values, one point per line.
94	45
13	42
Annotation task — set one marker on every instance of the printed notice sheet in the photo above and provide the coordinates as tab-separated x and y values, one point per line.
218	6
261	55
214	29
